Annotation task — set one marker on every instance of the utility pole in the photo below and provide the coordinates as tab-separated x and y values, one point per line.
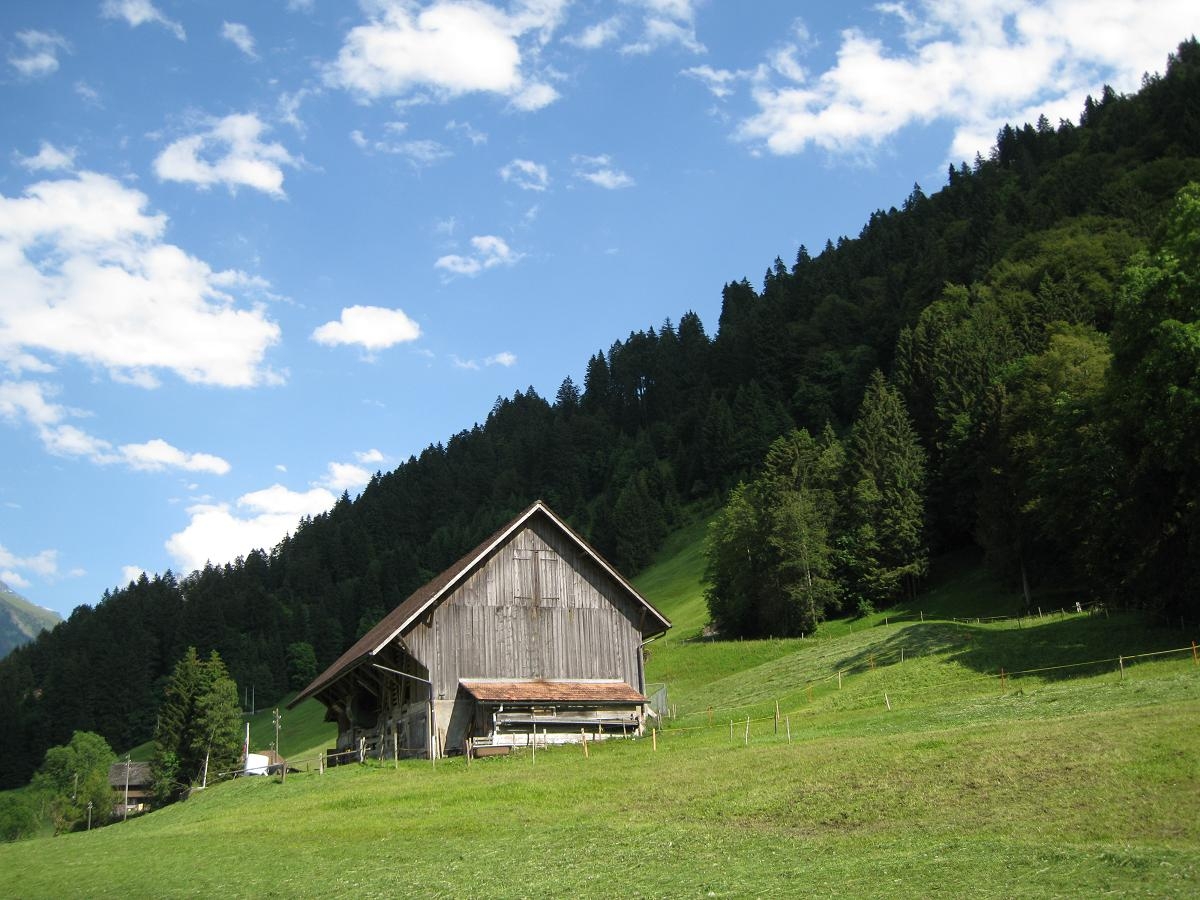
278	755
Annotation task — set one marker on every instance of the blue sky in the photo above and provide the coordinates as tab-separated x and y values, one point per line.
251	253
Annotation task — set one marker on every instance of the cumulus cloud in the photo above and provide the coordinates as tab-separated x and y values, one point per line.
371	327
599	170
451	47
366	457
975	65
131	573
503	358
29	403
229	153
43	564
341	476
88	275
526	174
48	159
221	532
489	251
140	12
239	35
39	57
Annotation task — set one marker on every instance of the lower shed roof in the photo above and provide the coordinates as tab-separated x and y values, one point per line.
538	690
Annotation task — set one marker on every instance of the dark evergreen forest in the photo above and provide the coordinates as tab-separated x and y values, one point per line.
1036	318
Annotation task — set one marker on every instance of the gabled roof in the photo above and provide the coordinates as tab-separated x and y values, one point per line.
404	616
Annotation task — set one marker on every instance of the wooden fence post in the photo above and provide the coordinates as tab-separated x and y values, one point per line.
583	740
1195	658
747	739
731	731
654	739
1121	663
839	679
887	701
789	728
777	717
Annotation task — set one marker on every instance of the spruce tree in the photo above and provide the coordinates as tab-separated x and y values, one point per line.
881	543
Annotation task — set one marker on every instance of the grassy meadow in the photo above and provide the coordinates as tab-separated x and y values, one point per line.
1074	780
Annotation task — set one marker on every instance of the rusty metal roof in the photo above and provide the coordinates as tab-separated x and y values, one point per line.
537	690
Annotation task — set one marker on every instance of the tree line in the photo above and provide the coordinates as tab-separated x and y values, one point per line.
954	298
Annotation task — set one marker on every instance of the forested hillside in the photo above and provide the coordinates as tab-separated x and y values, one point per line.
988	307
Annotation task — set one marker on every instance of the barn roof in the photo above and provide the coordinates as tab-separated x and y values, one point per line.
540	690
139	774
425	597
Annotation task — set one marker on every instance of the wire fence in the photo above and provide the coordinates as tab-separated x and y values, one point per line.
780	717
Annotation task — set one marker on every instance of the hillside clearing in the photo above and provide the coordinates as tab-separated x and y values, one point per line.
1074	781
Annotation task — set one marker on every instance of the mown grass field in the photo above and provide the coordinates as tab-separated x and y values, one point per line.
1074	781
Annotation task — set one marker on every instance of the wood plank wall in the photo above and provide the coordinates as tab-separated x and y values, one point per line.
538	608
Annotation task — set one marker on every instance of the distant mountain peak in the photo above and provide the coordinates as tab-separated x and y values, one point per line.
21	619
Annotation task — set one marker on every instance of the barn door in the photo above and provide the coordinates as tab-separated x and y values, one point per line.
538	589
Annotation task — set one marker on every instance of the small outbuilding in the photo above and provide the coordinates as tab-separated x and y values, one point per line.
133	783
532	632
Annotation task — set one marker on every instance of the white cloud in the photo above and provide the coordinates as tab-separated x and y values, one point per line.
140	12
87	275
666	22
503	358
29	403
473	135
345	477
239	35
44	564
157	455
596	36
371	327
526	174
489	251
534	96
88	94
600	172
468	364
14	579
975	65
131	573
40	55
246	160
421	153
718	81
366	457
452	47
220	532
288	107
48	159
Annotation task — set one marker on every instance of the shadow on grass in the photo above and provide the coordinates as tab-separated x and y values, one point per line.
1084	645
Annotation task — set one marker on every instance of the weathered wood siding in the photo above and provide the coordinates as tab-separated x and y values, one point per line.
538	608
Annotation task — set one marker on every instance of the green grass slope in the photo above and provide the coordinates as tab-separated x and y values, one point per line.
1074	781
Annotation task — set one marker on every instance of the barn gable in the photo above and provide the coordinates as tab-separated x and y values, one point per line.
534	603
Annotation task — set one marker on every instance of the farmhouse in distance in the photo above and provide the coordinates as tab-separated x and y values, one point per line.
532	629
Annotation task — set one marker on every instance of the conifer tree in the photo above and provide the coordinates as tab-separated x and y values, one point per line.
198	727
881	542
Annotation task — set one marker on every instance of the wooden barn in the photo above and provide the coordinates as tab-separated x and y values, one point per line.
532	629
